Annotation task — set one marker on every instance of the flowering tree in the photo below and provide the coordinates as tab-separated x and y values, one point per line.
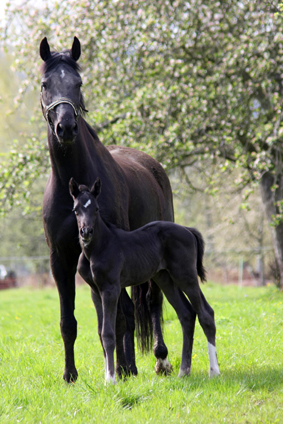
184	81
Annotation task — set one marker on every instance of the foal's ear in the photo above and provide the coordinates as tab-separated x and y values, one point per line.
73	188
44	49
96	188
76	49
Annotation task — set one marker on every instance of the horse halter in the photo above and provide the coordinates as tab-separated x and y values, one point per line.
46	109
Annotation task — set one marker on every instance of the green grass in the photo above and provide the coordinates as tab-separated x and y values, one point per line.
250	352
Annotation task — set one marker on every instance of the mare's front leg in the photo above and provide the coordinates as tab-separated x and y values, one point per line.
64	271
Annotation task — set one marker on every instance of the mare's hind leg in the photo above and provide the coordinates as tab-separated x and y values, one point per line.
186	315
126	325
189	284
155	299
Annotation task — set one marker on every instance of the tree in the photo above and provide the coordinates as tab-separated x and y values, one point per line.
189	82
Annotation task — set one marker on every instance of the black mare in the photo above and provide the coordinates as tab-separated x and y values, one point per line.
137	191
165	252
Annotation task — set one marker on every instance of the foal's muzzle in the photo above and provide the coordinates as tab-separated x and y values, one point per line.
86	234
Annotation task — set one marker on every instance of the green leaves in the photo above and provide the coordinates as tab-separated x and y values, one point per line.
180	81
21	169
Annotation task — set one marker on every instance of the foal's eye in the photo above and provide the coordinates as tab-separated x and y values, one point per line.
43	86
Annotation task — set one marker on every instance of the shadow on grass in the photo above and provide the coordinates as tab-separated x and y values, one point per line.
267	378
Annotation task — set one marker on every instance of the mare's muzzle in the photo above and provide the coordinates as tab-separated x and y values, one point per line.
65	128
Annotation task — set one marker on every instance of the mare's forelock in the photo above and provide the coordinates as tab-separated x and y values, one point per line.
58	58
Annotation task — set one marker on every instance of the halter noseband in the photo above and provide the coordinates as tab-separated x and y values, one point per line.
46	109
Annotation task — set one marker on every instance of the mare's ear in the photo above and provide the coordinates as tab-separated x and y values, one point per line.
76	49
44	49
96	188
73	188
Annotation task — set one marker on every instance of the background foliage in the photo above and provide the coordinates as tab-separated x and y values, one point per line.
197	85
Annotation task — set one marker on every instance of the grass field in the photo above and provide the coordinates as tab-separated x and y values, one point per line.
250	352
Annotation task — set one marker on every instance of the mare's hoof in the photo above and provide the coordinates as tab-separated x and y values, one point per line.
163	367
70	377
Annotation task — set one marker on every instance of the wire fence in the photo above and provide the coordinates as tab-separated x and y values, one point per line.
243	266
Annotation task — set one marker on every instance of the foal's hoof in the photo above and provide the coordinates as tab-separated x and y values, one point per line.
214	372
70	377
185	372
163	367
127	371
110	379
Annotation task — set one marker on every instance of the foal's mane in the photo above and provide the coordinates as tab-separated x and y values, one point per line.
56	59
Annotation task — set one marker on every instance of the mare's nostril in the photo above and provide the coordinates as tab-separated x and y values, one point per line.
60	130
75	129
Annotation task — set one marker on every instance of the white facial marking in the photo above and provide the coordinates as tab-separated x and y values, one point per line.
87	203
213	363
62	73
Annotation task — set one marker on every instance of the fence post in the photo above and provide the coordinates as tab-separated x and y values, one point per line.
241	267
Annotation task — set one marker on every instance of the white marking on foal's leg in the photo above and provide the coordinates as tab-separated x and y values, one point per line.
213	363
110	378
184	372
163	366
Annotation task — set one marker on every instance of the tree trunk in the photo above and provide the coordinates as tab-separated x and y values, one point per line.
270	196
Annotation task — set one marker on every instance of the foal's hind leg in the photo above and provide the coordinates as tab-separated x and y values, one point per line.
205	314
186	315
213	363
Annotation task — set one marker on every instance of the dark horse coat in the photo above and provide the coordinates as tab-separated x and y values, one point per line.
137	191
168	253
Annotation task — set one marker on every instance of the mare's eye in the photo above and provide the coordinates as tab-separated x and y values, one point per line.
74	210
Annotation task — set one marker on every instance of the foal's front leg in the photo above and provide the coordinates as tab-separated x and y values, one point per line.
110	295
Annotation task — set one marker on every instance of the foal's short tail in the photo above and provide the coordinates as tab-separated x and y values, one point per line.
200	251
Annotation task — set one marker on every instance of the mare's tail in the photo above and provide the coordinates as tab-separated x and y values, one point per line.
144	329
200	251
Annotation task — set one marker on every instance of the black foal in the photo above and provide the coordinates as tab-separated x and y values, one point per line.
165	252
